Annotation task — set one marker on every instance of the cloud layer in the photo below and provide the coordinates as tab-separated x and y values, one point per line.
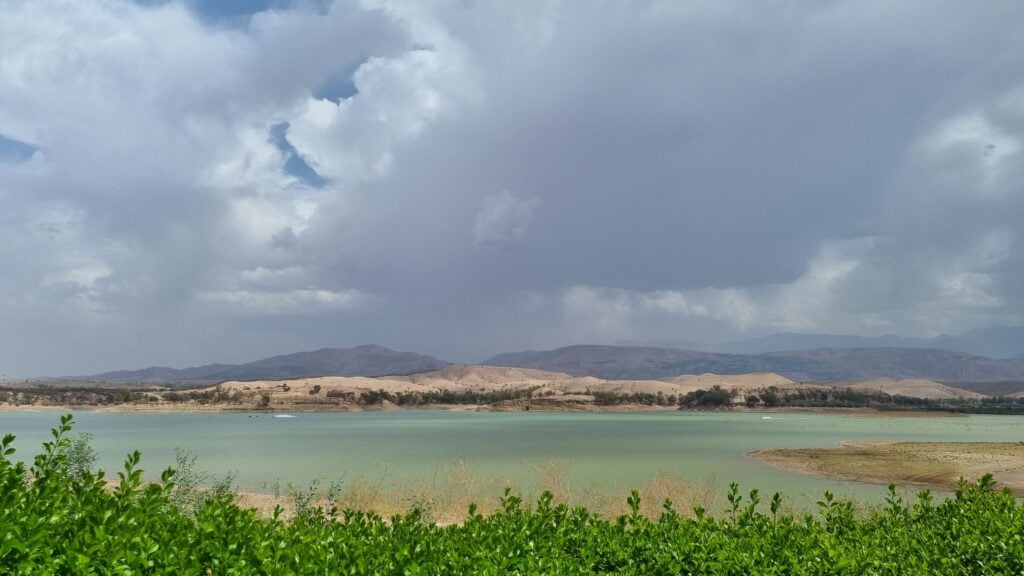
462	179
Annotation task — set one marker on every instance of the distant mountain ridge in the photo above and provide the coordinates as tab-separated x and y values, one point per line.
368	360
787	341
995	341
828	364
821	365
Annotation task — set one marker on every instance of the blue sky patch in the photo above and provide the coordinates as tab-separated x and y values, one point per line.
339	87
221	11
12	150
294	165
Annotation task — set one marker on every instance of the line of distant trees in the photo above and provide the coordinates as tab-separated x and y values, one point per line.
216	395
854	398
715	397
71	396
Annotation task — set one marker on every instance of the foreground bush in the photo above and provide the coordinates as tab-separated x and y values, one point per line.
57	519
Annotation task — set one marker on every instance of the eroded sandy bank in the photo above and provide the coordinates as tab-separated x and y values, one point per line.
927	464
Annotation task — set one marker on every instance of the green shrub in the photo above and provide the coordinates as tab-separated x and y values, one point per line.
714	397
55	522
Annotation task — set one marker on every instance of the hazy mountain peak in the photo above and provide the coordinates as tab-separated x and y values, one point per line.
822	364
366	360
995	341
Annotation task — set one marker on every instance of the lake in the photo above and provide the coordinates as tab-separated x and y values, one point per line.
609	450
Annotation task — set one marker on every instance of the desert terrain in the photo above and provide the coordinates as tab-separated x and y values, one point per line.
495	388
498	388
927	464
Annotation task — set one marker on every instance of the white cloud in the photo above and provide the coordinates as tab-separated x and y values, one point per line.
353	140
845	288
973	136
810	302
302	302
503	218
646	193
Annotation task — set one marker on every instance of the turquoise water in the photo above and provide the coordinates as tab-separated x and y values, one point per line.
606	450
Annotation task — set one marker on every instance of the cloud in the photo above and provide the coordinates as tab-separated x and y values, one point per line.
803	304
197	186
503	219
291	302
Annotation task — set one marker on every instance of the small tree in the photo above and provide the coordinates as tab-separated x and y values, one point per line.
78	454
714	397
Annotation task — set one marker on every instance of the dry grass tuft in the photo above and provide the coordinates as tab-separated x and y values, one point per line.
445	496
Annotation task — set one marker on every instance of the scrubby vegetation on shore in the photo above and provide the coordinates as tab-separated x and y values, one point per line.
717	397
50	395
712	398
59	516
501	388
853	398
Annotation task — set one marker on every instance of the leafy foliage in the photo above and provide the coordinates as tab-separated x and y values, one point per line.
193	489
56	522
713	397
856	398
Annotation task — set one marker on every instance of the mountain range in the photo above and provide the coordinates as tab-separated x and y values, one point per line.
805	357
369	360
995	341
820	365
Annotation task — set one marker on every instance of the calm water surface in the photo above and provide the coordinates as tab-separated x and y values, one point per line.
604	449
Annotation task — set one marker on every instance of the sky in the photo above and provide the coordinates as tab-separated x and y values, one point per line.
185	182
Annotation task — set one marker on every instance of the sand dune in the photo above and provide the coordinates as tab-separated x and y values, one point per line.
591	385
484	378
303	388
549	388
912	388
740	382
459	378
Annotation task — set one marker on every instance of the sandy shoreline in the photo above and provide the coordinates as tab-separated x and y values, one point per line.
184	407
924	464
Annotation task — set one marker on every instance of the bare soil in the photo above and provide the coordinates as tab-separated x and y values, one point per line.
927	464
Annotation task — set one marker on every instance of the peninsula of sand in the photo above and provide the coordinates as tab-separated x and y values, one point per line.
938	465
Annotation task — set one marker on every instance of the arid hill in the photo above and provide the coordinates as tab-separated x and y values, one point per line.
742	382
552	387
911	388
1009	388
490	379
509	388
470	376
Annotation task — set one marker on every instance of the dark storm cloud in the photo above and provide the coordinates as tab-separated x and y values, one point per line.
461	179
